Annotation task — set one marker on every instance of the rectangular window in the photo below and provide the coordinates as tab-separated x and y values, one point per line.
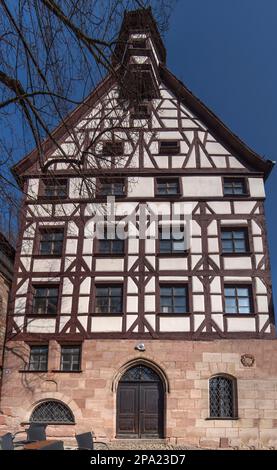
169	147
172	240
45	300
38	358
167	186
109	299
141	111
234	240
112	187
51	242
238	299
70	358
174	299
234	187
55	188
113	149
110	243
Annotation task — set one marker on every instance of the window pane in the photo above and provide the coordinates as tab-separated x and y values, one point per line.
244	309
230	291
166	291
243	292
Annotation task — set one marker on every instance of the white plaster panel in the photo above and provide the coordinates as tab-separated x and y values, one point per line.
150	246
256	187
213	245
258	244
151	320
23	289
262	321
133	245
216	303
174	324
161	161
198	303
26	261
212	228
109	264
219	207
215	286
256	230
237	278
150	286
243	207
33	185
173	264
106	324
132	303
141	187
235	163
132	288
262	303
237	263
67	286
66	305
19	321
72	229
71	246
109	278
198	319
173	278
20	305
233	222
41	325
130	320
260	287
87	246
197	285
241	324
218	319
30	231
63	321
47	265
201	186
215	148
196	245
177	161
195	228
27	247
149	303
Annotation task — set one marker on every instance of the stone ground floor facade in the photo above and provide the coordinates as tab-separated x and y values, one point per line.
185	369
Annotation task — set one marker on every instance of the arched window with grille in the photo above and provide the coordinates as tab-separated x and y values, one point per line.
223	397
52	412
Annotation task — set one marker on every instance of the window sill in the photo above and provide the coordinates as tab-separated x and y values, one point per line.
109	255
107	314
27	371
243	315
41	315
222	419
185	315
66	371
166	196
43	256
234	254
57	199
236	196
184	254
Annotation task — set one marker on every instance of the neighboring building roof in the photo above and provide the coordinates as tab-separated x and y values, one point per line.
137	21
7	254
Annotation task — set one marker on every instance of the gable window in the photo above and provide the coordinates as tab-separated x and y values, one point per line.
110	243
234	240
234	187
45	300
173	299
238	299
55	188
222	392
169	147
38	358
139	43
172	240
52	412
109	299
51	242
140	111
167	186
113	149
70	358
112	187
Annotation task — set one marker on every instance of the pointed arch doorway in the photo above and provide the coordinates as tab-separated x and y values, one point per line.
140	404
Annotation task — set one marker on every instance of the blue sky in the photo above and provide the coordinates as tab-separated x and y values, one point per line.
225	51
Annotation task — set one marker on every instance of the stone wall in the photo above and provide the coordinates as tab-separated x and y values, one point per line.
186	367
4	295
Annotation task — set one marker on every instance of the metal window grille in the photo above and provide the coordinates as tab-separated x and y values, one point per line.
52	412
222	399
234	241
140	374
173	299
70	358
109	299
38	358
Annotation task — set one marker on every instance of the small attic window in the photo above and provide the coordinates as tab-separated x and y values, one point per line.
169	147
113	149
140	111
54	188
139	44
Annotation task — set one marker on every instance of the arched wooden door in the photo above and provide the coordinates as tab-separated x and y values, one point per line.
140	404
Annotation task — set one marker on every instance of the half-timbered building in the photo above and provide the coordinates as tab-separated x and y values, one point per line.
143	337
